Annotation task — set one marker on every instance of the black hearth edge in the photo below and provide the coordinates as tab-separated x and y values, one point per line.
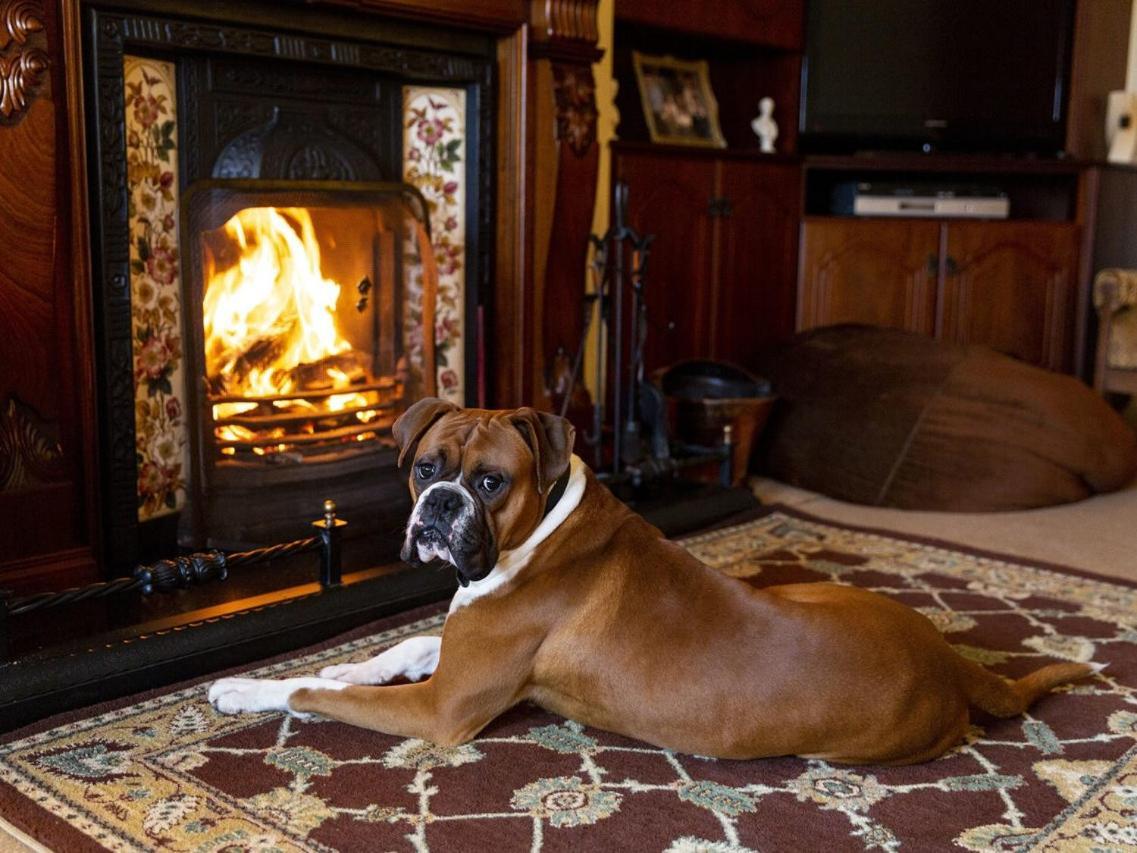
183	645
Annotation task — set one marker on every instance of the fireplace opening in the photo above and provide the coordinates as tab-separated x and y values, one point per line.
307	303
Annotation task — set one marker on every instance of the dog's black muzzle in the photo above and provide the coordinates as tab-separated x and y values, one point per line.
470	545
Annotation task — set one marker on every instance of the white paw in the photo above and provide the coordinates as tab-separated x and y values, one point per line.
245	695
251	695
412	658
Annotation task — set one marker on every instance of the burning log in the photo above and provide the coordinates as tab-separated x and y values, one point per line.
333	371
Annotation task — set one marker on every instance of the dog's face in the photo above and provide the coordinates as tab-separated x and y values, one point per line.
480	480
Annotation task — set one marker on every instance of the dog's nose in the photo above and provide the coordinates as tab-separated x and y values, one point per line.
441	504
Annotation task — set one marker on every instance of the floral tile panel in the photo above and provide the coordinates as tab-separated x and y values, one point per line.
434	161
161	436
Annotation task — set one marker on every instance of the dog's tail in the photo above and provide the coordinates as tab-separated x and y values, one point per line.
1001	697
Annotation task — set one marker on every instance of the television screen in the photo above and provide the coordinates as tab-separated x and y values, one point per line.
976	75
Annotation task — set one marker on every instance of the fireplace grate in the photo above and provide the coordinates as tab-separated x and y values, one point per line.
288	428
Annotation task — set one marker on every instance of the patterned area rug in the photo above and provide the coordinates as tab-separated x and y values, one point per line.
166	772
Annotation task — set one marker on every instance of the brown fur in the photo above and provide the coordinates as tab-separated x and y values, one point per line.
614	626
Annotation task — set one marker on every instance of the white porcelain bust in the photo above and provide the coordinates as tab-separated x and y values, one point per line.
764	126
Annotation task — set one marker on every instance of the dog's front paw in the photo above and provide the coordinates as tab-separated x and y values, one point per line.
359	673
248	695
412	659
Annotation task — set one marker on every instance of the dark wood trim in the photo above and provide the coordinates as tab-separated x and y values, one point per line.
1100	50
73	208
54	571
562	171
499	16
511	343
1089	184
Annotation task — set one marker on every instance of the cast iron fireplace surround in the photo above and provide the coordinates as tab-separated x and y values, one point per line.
262	103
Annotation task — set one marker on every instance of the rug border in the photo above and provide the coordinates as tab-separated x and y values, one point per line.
946	544
24	815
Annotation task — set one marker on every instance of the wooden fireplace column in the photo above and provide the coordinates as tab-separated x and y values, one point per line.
48	438
547	159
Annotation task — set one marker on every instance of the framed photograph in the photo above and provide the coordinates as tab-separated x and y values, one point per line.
678	103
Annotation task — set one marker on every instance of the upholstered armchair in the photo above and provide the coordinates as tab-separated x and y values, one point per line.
1115	298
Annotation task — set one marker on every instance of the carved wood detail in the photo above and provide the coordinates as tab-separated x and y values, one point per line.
18	20
564	19
21	71
564	30
28	455
575	94
563	166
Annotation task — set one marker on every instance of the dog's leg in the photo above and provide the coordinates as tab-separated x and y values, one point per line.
411	659
469	688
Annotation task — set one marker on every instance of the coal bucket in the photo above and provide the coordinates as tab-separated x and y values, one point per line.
703	396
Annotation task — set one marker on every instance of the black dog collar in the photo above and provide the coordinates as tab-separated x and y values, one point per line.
555	495
557	492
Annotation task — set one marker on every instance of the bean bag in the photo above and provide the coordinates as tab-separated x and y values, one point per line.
889	418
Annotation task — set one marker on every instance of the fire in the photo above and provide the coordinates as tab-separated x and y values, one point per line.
273	348
273	310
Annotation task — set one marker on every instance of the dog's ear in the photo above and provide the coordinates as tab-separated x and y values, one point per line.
415	421
550	437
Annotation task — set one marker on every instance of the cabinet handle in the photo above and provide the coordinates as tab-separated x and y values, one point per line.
719	207
933	265
950	266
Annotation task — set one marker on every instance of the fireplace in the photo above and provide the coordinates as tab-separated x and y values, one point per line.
295	297
291	236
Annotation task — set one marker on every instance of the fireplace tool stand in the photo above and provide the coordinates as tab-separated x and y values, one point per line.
632	447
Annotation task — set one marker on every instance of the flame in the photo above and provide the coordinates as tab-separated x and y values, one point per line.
270	328
273	310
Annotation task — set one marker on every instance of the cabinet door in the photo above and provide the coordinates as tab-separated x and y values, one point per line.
1009	285
878	272
669	197
757	259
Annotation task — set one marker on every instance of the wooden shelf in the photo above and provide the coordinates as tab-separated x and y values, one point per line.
1038	189
939	163
694	152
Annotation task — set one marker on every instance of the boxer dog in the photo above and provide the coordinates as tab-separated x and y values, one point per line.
572	601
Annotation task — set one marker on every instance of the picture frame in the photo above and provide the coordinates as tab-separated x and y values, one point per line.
678	102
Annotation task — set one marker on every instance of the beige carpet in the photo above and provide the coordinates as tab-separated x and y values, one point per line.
1096	535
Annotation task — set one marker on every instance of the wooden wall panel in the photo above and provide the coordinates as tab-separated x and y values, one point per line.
45	437
1101	45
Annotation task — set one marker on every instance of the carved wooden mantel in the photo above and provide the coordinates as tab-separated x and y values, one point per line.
566	160
23	58
546	169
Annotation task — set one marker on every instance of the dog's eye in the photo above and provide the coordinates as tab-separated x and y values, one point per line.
490	483
425	470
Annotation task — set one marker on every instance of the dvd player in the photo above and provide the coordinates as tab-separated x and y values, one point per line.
884	198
